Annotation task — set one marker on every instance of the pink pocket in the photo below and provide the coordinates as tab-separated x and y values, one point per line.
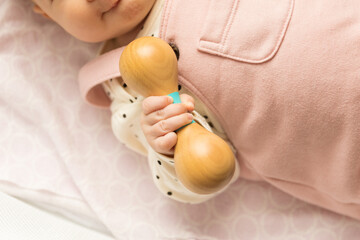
245	30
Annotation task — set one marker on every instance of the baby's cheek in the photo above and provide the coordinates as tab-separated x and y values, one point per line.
82	23
136	9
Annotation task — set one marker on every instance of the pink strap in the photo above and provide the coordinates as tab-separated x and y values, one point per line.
92	74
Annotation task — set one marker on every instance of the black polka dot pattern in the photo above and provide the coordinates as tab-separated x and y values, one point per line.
162	175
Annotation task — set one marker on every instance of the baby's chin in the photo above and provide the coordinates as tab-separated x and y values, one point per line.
94	35
91	38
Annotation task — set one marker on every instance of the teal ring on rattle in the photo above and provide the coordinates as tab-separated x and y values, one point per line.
176	97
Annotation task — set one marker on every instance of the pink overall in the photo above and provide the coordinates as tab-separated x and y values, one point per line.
283	78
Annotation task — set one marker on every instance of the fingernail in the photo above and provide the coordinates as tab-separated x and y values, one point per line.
190	116
170	99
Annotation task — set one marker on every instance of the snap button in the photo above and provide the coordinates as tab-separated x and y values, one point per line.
175	49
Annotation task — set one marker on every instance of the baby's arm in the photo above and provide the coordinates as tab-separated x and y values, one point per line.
160	119
126	124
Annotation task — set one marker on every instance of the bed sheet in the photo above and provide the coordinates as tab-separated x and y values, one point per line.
51	142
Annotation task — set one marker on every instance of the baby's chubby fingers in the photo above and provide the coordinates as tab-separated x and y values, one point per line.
158	108
165	144
161	136
170	124
161	118
155	103
169	111
188	101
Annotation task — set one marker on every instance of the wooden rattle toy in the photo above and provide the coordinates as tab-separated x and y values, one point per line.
204	162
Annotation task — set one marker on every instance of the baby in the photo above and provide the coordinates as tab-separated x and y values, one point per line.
144	125
279	80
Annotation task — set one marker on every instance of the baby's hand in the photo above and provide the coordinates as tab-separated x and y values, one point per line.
161	118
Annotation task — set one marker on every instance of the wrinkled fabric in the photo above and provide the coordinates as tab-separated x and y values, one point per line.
288	74
290	80
52	142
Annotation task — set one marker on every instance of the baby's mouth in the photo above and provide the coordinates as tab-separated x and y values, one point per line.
115	4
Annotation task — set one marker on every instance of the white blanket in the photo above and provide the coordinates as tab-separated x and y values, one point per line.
60	154
21	221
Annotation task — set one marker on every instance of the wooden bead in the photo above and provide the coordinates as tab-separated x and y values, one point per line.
204	162
149	66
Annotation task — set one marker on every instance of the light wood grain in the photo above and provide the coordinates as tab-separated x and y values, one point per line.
148	68
204	162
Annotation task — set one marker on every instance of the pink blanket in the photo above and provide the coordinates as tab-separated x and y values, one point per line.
59	153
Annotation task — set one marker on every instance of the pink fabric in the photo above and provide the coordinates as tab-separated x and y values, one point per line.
58	148
290	80
94	73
